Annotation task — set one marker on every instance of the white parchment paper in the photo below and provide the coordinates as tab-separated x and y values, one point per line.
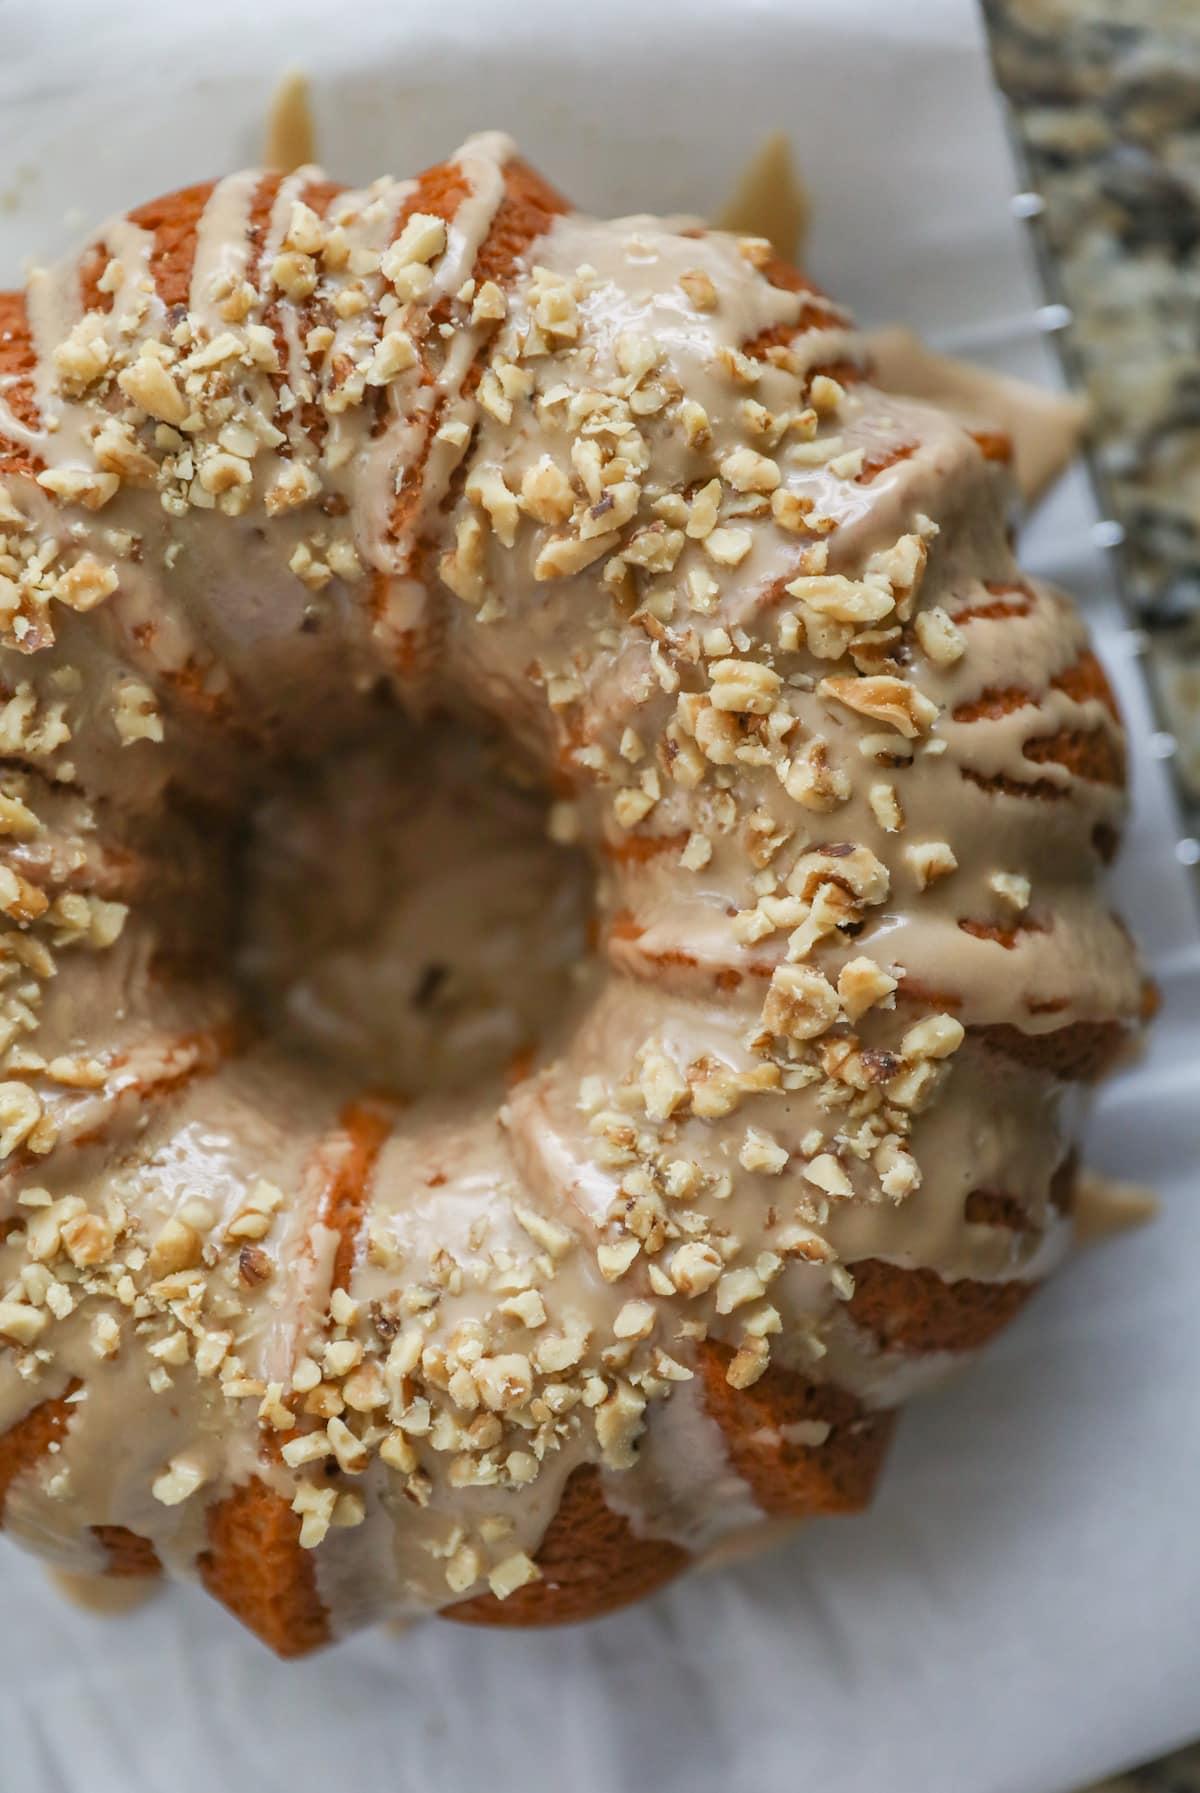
1017	1613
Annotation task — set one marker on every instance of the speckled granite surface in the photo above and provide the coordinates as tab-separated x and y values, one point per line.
1177	1774
1106	94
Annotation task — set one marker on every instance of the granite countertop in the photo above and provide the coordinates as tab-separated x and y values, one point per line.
1175	1774
1105	101
1105	96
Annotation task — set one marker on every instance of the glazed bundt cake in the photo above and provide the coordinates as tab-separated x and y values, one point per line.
348	529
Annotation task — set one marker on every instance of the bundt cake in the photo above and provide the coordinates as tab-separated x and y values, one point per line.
382	528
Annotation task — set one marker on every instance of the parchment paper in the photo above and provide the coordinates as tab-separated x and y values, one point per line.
1017	1614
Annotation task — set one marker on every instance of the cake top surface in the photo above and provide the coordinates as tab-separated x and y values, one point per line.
624	490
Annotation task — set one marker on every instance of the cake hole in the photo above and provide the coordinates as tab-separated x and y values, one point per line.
406	916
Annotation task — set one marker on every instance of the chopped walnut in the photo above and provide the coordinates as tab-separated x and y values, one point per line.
735	1288
940	638
661	1083
748	471
749	1362
136	714
857	869
88	1240
841	599
546	493
694	421
177	1247
848	465
930	860
618	1424
800	1004
153	388
20	1322
82	357
695	1267
546	1234
743	686
489	305
699	288
861	985
825	1173
86	584
936	1037
462	568
487	487
697	853
422	239
885	807
316	1509
825	395
562	556
761	1152
394	354
20	1113
615	1259
635	1320
75	485
728	547
183	1476
809	778
516	1571
884	699
1013	889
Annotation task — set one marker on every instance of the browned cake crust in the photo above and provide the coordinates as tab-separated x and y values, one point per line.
766	1427
26	1443
592	1563
254	1565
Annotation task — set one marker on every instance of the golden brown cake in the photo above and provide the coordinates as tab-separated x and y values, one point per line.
376	562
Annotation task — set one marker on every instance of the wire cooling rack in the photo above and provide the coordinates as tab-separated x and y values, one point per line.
1055	320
